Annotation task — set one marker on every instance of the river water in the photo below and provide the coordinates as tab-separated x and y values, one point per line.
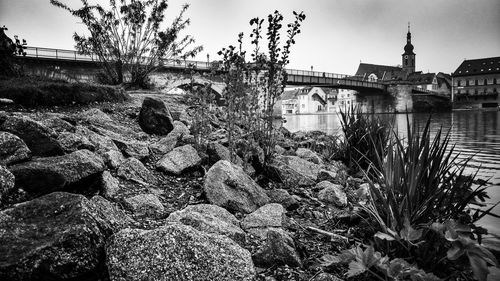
475	134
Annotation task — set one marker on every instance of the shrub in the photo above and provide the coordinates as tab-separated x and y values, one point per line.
424	205
366	138
254	86
127	37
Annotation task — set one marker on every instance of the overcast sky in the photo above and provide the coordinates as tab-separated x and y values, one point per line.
336	35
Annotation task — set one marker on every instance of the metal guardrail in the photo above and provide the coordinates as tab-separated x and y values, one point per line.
72	55
60	54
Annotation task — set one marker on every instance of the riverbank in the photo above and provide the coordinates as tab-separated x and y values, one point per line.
101	192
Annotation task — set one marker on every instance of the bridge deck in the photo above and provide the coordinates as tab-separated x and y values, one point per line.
295	76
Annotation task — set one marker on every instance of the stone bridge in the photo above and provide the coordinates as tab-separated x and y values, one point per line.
68	64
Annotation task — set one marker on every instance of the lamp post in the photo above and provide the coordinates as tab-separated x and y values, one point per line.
208	60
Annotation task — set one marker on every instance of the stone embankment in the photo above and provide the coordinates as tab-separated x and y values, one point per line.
123	192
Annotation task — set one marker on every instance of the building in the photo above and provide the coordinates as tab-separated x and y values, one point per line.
408	57
289	102
312	100
378	72
308	100
476	83
440	83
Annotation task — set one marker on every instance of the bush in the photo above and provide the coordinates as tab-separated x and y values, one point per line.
366	138
425	206
29	91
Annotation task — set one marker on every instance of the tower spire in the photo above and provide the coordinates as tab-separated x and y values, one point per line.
408	27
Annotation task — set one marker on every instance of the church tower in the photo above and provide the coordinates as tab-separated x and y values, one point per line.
409	55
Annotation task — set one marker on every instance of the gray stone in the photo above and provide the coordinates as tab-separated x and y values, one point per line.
96	116
176	252
109	216
72	142
154	117
308	155
169	142
294	170
136	149
278	249
210	219
102	143
7	182
332	194
39	139
228	186
44	175
179	160
58	125
12	149
110	185
59	236
133	169
145	205
282	197
113	158
325	175
266	217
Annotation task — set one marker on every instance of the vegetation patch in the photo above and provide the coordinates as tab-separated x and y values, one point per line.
30	91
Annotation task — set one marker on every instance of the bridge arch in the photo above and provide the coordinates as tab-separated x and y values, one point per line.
216	88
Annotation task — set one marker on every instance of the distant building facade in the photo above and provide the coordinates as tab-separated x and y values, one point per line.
308	100
476	83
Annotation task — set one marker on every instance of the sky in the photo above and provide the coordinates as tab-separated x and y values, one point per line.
336	36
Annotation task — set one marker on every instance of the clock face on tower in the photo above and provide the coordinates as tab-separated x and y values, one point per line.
406	56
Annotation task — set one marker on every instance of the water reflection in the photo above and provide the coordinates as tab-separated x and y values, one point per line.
475	134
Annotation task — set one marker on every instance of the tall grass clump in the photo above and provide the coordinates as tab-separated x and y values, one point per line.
366	137
425	206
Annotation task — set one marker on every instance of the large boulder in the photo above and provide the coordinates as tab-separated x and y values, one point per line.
39	139
278	249
133	169
228	186
154	117
331	193
7	182
270	216
179	160
59	236
79	169
211	219
294	170
176	252
12	149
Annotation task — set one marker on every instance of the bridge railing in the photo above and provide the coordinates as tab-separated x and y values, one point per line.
60	54
40	52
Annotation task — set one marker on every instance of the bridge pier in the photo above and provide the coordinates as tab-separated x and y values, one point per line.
402	94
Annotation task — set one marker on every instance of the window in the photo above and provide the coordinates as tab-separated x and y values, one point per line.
485	82
466	82
458	83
